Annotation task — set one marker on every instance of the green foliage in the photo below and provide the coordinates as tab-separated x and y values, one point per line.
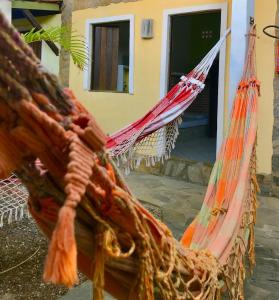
64	37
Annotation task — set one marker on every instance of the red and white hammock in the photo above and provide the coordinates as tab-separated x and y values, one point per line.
152	137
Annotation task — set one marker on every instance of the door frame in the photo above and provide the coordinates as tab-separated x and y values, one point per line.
165	58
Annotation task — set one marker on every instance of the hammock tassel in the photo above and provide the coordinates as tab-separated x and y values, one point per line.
61	262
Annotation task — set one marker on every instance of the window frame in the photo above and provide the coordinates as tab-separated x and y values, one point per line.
89	43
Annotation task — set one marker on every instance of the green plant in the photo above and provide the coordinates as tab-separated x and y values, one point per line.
66	38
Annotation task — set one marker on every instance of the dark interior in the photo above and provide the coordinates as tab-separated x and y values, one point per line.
192	36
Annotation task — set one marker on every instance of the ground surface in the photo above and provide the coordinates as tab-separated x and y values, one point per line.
179	202
19	241
194	144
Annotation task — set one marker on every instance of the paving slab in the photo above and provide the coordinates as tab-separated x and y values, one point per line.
180	202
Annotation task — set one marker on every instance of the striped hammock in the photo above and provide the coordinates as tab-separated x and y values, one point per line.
153	136
225	223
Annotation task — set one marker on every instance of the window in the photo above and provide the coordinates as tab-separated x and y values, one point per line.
110	56
110	43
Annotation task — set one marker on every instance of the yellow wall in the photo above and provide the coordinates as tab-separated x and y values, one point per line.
49	59
265	15
114	110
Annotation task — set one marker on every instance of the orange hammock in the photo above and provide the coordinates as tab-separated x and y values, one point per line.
80	201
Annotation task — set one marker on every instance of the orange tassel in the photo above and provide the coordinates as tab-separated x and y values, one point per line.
61	262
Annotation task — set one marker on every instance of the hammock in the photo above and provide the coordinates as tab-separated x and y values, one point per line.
225	223
80	201
13	196
153	136
150	138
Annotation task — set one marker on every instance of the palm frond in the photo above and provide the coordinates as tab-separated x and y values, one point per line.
65	38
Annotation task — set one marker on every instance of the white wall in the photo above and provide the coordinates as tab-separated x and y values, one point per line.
49	59
6	7
242	10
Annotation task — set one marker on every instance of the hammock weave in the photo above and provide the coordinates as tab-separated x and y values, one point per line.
153	136
80	201
13	196
225	223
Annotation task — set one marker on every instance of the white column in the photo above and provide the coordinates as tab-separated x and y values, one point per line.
242	10
6	7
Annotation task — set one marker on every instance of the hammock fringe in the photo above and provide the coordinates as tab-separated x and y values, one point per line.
132	159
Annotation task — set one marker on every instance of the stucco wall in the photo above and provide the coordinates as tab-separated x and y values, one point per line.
265	15
275	136
113	110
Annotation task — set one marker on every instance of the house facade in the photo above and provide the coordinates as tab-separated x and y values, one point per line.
148	61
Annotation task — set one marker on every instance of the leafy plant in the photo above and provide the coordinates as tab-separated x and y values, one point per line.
63	36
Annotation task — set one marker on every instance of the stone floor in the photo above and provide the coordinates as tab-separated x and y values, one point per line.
193	145
201	149
181	201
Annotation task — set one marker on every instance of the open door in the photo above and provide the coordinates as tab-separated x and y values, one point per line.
192	35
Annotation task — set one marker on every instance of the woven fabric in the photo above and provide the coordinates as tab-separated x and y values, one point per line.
153	136
225	222
13	200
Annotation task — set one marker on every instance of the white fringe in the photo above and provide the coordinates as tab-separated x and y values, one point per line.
131	161
14	214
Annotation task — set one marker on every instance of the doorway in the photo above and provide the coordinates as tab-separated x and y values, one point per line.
189	34
191	37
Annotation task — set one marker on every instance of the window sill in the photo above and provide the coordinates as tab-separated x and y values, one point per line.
110	92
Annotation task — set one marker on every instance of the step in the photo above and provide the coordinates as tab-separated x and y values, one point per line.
180	168
196	172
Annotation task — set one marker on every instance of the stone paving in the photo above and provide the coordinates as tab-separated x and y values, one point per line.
181	201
